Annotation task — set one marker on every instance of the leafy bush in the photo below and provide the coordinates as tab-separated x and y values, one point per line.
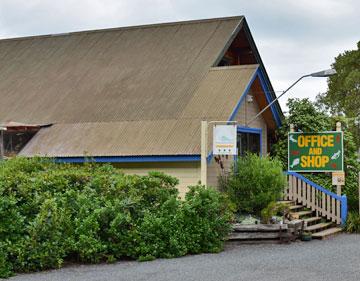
90	213
206	216
254	182
353	223
273	209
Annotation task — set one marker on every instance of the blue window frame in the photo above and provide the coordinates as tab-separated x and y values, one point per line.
249	139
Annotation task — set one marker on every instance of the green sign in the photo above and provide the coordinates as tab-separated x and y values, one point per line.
316	152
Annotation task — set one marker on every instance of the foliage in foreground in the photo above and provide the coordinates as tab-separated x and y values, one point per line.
353	222
253	183
51	213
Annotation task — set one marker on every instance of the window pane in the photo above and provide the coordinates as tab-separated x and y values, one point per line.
248	142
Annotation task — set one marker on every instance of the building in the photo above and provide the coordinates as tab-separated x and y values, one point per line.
135	96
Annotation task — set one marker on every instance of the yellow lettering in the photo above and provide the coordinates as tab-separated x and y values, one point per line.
331	140
303	161
325	159
301	141
323	141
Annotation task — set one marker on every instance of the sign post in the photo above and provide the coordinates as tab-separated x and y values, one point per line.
338	186
204	139
318	152
224	143
315	152
2	149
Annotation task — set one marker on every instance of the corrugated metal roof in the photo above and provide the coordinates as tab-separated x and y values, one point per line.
151	137
124	74
214	99
121	92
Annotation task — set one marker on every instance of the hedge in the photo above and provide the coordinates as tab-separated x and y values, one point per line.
52	213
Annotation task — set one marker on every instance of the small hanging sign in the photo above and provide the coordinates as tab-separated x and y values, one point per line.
224	140
338	178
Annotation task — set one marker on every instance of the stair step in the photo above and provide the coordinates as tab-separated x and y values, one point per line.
287	202
295	207
318	226
297	215
311	220
327	232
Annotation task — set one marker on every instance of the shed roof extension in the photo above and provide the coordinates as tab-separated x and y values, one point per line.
178	136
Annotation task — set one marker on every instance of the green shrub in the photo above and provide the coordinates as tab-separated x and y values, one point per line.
254	182
353	222
91	213
273	209
206	219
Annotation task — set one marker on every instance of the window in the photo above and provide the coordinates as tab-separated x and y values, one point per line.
249	142
14	141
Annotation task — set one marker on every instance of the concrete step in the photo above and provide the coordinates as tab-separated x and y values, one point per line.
318	226
297	215
296	207
327	232
311	220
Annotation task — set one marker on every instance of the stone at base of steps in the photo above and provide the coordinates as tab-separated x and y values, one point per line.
327	233
260	232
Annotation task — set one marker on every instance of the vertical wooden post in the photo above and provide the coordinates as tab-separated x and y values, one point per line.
338	187
1	144
291	184
204	140
292	128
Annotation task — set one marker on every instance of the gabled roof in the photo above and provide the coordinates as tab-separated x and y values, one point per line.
123	91
123	74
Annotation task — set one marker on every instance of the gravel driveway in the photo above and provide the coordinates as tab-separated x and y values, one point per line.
335	259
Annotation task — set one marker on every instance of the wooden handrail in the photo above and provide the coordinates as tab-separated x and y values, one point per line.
320	200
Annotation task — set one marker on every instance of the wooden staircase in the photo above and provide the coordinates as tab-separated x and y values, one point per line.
322	211
320	227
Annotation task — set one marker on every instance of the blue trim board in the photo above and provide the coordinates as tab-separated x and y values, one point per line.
268	97
243	96
249	130
130	159
257	74
342	199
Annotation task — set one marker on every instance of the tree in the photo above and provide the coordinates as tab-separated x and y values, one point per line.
304	115
343	95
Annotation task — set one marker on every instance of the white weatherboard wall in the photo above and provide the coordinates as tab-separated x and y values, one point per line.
247	111
188	173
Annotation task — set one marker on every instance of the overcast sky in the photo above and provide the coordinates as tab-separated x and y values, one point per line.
294	37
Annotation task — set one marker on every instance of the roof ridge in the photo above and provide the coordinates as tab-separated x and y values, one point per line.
162	24
229	67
